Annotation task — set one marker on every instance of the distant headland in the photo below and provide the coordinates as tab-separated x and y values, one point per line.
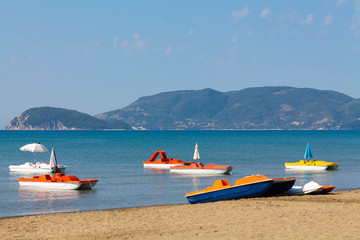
260	108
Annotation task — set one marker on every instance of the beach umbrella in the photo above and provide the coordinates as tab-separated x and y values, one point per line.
34	147
53	162
308	152
196	152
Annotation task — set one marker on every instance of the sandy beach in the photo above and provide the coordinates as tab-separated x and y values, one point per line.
331	216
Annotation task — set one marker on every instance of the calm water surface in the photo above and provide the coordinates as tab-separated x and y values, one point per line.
115	158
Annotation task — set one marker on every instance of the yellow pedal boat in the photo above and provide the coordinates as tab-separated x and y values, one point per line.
311	164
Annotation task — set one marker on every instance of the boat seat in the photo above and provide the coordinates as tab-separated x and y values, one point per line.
45	177
58	175
221	183
199	164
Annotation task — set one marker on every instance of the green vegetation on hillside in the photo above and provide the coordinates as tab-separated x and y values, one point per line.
251	108
49	118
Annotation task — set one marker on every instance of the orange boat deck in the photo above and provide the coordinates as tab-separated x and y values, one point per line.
59	177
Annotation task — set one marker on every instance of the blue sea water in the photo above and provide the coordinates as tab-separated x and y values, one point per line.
115	159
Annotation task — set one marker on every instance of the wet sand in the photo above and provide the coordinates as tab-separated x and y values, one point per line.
331	216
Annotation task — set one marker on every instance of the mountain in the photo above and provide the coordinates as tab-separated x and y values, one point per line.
49	118
285	108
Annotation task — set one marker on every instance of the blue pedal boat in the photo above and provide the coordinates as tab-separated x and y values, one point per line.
251	186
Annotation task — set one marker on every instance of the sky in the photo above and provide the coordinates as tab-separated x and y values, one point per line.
99	56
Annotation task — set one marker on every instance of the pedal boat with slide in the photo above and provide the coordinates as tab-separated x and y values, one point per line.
59	181
199	168
250	186
164	162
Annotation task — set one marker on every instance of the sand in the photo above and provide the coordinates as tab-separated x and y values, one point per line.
331	216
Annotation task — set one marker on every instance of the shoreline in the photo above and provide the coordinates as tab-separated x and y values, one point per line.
330	216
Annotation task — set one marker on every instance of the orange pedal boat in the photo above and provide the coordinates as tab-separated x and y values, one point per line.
59	181
162	162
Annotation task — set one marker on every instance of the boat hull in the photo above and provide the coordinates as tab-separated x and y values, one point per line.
87	185
305	167
51	185
233	192
295	190
199	168
38	168
201	171
161	165
279	186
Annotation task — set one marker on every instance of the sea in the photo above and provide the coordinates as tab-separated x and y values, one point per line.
115	159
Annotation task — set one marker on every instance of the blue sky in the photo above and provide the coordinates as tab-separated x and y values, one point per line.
98	56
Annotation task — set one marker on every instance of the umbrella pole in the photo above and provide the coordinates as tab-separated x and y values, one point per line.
34	158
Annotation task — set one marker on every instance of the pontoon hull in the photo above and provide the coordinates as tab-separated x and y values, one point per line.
304	167
161	165
51	185
201	171
199	168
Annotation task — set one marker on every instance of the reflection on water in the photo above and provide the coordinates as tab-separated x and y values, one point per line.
32	194
156	170
50	201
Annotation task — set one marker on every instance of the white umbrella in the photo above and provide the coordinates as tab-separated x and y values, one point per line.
53	162
196	152
34	147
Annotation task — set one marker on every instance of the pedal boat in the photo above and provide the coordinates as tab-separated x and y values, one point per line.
312	187
199	168
312	165
279	186
60	181
251	186
163	162
38	167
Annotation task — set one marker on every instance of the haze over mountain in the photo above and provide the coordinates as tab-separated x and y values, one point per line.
285	108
